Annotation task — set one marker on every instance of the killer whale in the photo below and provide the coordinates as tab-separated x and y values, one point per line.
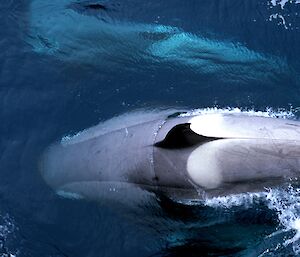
97	33
96	6
178	156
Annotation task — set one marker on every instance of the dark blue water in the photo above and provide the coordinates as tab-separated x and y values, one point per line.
65	67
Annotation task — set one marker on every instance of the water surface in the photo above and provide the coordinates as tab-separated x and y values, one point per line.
65	67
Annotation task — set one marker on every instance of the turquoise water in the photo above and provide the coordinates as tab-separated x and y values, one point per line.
67	65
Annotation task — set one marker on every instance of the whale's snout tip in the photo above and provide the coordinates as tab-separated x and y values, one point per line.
49	166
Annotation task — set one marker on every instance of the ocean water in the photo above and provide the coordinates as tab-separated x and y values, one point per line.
66	65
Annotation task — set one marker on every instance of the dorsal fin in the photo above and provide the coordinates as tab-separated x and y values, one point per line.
96	6
182	136
90	8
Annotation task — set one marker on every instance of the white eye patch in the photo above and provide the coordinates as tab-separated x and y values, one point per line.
211	125
244	127
203	166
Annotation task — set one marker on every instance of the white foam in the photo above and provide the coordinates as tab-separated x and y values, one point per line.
280	15
287	205
245	200
7	229
282	3
269	112
285	202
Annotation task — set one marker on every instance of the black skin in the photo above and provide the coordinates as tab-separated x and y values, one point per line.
96	6
182	136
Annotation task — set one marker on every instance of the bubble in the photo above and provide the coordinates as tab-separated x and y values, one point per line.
7	229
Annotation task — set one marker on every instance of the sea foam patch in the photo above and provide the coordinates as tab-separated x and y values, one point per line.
269	112
283	11
245	200
284	201
7	229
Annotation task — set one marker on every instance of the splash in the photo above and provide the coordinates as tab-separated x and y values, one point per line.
7	229
284	201
245	200
287	205
282	3
269	112
282	14
281	19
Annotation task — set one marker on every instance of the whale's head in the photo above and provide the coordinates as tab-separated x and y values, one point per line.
112	158
178	156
